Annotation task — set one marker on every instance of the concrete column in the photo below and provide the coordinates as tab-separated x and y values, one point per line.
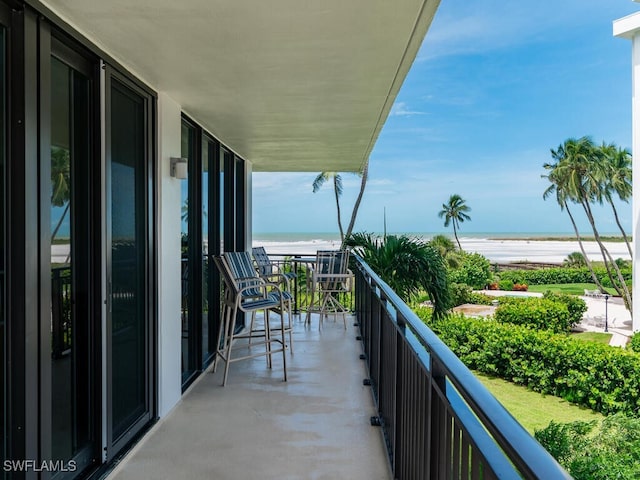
169	268
635	148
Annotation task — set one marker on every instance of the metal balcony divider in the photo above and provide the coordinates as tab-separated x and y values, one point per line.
439	421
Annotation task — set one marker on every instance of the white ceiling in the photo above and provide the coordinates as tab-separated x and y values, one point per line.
290	85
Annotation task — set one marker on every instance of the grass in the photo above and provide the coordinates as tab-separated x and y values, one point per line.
570	288
534	410
598	337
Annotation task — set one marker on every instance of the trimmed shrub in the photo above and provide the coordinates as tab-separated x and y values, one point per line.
613	451
539	313
460	293
634	342
600	377
481	299
575	305
475	271
545	276
506	285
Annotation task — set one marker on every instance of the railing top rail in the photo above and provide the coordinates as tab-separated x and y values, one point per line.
521	447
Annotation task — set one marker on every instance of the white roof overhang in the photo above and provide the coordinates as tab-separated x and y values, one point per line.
290	85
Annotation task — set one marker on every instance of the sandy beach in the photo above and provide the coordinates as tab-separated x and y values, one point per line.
500	251
496	250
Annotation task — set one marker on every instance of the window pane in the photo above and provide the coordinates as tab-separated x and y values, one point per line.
128	266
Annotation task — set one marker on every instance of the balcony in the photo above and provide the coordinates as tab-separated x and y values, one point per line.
435	419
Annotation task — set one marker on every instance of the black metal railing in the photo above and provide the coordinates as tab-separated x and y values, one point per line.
439	421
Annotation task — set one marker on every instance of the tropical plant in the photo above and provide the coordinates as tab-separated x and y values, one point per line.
474	270
408	265
454	213
336	178
447	250
577	175
616	179
60	183
590	453
575	260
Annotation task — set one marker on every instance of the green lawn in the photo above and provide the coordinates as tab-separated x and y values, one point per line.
533	410
570	288
598	337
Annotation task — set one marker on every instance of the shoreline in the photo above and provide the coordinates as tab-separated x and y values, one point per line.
496	249
604	238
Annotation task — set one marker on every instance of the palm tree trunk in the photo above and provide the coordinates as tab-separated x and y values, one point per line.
594	277
455	234
356	206
624	234
335	191
620	285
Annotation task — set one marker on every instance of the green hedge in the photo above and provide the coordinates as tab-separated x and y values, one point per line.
475	271
539	313
559	275
575	305
603	378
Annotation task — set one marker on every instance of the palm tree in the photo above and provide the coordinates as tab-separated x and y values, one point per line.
575	259
617	166
60	183
454	213
323	177
363	182
320	180
577	176
407	265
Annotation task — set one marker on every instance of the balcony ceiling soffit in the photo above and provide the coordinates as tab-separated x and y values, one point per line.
289	85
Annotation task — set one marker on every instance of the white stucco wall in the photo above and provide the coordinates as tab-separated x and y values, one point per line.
629	28
169	272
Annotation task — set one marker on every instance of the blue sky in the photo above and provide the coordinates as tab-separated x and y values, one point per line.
494	87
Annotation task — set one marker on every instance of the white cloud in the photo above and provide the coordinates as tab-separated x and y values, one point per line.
401	109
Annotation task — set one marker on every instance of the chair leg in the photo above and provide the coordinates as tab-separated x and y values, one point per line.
228	343
283	340
323	308
267	337
222	337
253	321
290	325
310	306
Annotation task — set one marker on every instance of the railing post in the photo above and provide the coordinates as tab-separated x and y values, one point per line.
437	421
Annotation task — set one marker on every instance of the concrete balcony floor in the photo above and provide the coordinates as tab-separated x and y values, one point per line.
314	426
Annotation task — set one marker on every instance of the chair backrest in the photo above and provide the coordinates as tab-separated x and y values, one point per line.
231	289
332	262
243	273
263	262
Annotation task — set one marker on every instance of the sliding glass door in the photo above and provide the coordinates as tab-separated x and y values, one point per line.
74	376
129	247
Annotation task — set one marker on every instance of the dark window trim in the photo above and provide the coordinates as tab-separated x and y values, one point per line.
213	207
194	265
115	445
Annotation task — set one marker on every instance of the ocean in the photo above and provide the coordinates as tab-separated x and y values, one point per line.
504	247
